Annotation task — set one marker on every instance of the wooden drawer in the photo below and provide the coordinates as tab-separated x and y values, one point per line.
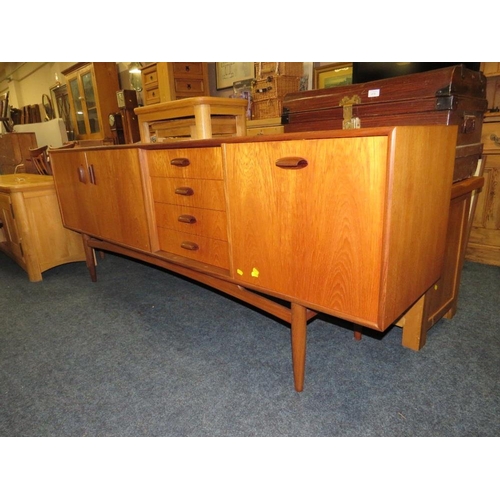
189	86
192	220
152	96
199	193
186	163
207	250
491	134
150	77
188	68
265	130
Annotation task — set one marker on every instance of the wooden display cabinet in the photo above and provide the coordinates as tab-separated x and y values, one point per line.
92	90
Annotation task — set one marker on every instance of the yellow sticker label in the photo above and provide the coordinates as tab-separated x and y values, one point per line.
240	272
255	273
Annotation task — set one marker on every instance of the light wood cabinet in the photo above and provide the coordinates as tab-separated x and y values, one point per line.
92	91
31	230
102	194
168	81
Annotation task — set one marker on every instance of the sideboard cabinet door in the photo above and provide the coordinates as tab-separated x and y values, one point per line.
101	194
353	226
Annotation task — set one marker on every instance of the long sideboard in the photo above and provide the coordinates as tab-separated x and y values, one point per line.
350	223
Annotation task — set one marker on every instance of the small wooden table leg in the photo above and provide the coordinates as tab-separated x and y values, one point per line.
299	338
89	258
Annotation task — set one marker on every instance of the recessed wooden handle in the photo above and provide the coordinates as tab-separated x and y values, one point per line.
180	162
81	174
292	162
187	219
184	191
189	245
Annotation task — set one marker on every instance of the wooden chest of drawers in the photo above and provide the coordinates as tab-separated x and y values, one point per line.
165	81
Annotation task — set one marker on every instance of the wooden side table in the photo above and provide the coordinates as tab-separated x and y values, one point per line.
31	229
200	114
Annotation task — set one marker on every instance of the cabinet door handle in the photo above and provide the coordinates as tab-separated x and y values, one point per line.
92	174
184	191
81	175
187	219
293	162
180	162
189	245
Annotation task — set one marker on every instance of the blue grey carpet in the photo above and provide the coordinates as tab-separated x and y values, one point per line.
143	352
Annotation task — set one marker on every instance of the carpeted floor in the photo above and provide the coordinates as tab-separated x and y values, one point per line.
143	352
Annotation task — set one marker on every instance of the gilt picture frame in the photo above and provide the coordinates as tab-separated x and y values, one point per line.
332	75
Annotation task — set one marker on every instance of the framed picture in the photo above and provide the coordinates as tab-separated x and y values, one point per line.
332	75
229	72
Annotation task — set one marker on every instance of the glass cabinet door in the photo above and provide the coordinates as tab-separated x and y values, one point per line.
85	103
77	103
90	102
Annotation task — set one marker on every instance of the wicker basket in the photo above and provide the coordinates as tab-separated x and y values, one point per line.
264	69
268	108
268	94
275	87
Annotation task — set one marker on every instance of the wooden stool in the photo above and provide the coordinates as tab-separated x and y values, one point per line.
203	109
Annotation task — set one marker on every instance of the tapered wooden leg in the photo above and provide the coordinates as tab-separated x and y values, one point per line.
89	258
299	338
358	332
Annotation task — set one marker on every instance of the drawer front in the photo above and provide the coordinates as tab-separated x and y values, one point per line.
207	250
192	220
491	136
265	130
150	78
185	69
152	96
203	163
199	193
189	85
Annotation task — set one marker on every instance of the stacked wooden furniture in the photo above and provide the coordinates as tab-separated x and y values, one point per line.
92	91
450	96
167	81
31	230
340	222
15	152
193	118
273	80
484	241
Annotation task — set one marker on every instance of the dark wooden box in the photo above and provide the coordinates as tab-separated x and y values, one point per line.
451	96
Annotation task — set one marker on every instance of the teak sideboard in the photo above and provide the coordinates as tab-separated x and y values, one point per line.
349	223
